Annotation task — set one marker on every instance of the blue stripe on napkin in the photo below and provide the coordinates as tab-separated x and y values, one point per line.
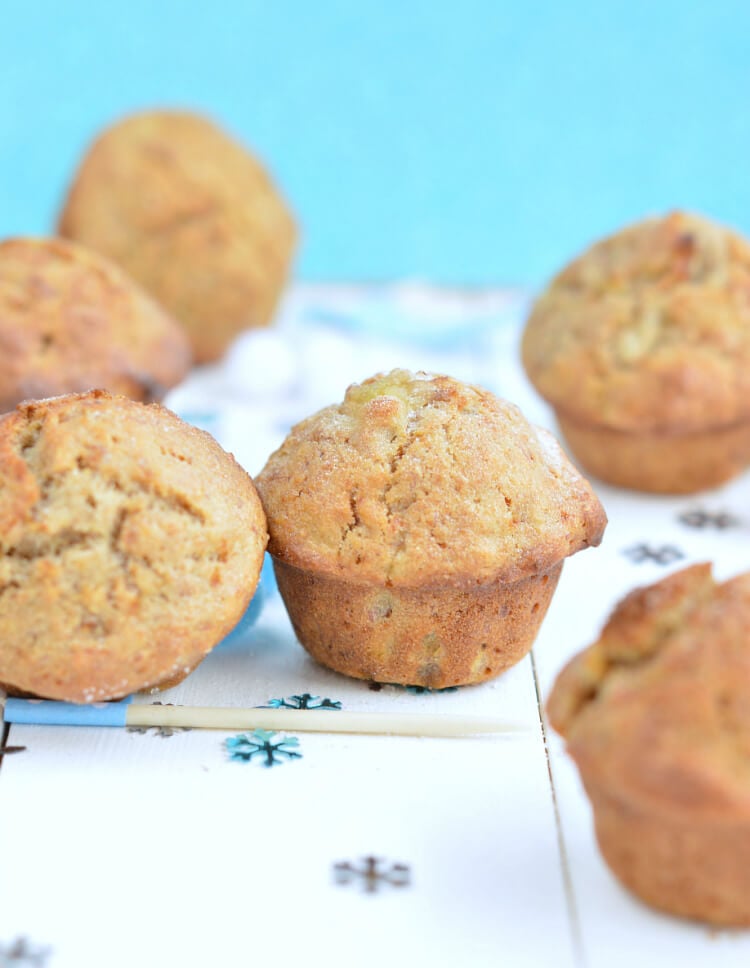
45	712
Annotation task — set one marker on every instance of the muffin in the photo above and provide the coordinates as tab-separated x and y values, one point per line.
130	544
642	347
419	528
72	321
192	216
656	715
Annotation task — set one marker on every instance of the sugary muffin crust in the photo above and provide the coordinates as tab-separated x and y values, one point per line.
642	347
648	329
418	479
192	215
130	544
72	321
656	715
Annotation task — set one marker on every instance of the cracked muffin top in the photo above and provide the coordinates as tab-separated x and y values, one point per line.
658	709
648	330
130	544
419	479
190	214
71	321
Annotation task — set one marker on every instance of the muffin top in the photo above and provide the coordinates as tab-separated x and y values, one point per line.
648	330
130	544
658	710
71	321
419	479
192	215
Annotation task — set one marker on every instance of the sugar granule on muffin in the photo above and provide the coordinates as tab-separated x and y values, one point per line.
642	347
71	321
656	715
130	545
418	530
192	215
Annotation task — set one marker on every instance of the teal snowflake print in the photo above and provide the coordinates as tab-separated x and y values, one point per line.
260	743
305	701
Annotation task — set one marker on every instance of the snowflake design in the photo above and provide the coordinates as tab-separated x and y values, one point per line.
305	701
19	955
420	690
663	555
372	873
258	743
414	690
7	750
163	731
700	518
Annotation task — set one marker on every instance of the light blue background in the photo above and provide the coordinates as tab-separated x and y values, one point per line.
467	142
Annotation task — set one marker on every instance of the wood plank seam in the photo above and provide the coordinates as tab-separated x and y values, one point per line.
570	899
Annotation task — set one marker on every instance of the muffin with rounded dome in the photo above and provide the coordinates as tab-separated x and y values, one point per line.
190	214
656	715
418	530
130	545
70	321
642	347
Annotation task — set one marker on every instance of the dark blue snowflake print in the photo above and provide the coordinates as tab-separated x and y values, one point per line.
19	954
420	690
414	690
372	873
164	731
700	518
663	555
7	750
305	701
259	743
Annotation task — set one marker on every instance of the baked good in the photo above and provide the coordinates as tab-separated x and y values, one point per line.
130	544
192	215
418	530
70	321
642	346
656	715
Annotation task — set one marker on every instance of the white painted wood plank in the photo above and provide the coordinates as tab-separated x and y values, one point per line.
240	857
207	862
616	928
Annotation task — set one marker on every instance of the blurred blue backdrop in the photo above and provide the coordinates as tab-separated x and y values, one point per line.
466	141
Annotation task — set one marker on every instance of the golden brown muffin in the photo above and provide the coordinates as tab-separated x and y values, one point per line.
130	544
190	214
656	715
642	346
418	530
70	321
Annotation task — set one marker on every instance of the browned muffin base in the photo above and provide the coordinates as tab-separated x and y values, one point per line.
694	871
659	463
435	637
169	683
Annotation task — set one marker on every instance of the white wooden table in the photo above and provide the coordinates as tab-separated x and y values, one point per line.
122	848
